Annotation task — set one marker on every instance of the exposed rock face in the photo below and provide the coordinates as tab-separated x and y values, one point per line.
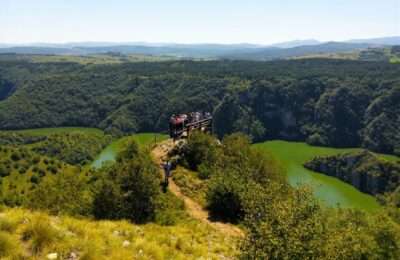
363	170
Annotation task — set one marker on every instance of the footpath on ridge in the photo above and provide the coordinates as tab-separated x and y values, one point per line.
194	209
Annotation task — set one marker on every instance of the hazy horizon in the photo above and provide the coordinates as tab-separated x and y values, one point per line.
180	43
220	22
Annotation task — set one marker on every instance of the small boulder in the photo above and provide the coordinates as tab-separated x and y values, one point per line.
126	243
52	256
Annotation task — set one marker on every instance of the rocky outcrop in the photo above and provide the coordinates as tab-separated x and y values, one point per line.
364	170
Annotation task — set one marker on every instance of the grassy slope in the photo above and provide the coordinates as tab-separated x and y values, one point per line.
37	234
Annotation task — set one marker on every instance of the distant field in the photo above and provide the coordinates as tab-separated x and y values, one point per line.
353	55
55	130
395	59
91	59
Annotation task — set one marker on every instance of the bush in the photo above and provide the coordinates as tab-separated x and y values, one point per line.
4	172
7	225
316	139
34	179
36	159
40	233
8	245
225	197
129	189
66	192
107	201
201	148
282	227
15	156
22	170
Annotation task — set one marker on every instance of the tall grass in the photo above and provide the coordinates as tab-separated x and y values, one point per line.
39	234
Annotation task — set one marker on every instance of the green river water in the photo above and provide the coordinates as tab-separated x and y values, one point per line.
329	190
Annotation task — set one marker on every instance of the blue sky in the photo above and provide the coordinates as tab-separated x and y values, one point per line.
186	21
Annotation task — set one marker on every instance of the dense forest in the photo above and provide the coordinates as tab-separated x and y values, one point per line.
325	102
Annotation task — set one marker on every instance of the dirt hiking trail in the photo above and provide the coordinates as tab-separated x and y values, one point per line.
194	209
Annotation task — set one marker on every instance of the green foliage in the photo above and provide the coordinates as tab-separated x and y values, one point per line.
64	193
391	201
296	227
292	100
225	197
8	245
74	147
130	188
201	152
382	122
169	210
282	227
231	168
191	184
21	170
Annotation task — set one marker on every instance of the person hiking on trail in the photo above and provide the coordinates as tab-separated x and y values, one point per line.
167	171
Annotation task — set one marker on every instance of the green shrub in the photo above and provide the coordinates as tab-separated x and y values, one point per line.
201	149
283	227
107	201
40	233
36	159
15	156
66	192
8	246
129	189
225	197
34	179
4	171
22	170
7	225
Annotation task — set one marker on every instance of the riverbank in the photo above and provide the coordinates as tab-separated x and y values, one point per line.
329	190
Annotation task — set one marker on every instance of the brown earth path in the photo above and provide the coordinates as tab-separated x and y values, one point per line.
194	209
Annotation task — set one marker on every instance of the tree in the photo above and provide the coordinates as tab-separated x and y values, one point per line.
63	193
129	189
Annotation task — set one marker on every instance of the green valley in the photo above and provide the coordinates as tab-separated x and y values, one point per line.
102	182
199	130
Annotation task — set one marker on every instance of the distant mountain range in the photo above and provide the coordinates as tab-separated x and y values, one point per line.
225	51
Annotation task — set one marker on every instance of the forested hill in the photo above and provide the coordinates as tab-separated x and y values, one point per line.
329	102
